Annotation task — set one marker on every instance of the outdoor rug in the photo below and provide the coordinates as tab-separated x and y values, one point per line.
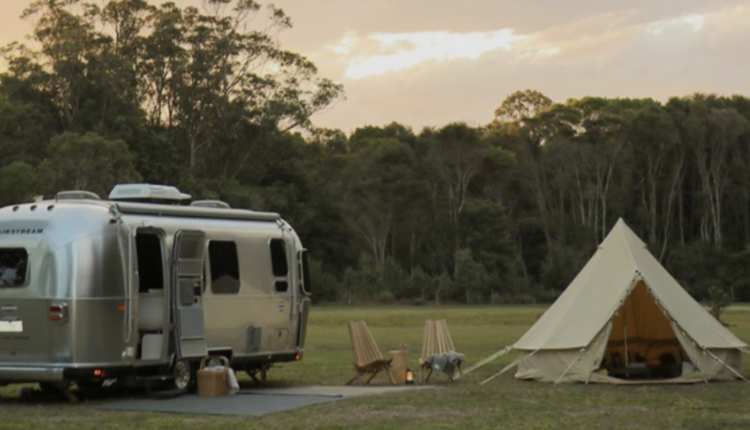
254	402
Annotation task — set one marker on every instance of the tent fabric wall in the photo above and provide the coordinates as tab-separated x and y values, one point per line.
624	295
707	367
555	365
595	294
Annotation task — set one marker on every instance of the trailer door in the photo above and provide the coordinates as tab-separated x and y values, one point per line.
187	293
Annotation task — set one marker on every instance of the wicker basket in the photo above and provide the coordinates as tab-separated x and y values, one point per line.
213	382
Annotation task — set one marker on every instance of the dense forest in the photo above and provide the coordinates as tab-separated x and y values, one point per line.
207	100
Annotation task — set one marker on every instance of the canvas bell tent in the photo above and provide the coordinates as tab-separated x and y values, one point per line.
624	318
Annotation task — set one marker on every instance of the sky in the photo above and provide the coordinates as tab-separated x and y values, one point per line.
427	63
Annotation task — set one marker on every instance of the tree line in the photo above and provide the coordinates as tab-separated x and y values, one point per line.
207	99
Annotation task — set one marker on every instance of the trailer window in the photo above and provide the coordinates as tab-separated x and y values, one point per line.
225	268
149	256
13	262
278	258
281	286
279	265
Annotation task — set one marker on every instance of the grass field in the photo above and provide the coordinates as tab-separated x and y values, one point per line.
477	332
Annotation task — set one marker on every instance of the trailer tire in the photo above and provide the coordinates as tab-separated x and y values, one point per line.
184	378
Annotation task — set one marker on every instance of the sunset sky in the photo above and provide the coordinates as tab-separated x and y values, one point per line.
431	62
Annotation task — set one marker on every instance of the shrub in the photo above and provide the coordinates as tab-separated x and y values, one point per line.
718	301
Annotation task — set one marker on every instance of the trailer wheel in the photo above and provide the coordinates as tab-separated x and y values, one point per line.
183	375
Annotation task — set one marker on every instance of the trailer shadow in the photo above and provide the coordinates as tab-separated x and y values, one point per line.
35	394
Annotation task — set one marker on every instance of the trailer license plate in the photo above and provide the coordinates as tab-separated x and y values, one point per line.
11	326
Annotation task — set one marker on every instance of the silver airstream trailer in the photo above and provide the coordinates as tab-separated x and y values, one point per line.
136	289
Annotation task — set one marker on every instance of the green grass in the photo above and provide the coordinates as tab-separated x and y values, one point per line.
477	332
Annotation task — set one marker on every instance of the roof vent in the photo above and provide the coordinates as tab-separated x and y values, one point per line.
76	195
210	204
147	193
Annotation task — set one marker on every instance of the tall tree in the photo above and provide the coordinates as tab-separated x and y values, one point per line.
522	105
19	182
232	71
603	132
456	155
86	162
375	188
712	131
655	139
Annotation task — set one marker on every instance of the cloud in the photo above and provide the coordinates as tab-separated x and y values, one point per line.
633	51
693	22
381	53
537	54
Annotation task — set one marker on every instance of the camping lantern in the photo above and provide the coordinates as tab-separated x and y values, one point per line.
409	376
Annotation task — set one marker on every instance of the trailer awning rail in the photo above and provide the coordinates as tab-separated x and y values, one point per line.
195	212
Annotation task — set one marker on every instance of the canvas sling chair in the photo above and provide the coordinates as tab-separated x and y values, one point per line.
367	356
438	352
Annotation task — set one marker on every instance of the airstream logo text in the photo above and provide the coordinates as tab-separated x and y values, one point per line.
21	230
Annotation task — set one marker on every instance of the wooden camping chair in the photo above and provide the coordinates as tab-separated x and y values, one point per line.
367	356
437	341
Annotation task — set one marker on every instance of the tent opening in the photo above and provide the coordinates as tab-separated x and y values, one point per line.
642	343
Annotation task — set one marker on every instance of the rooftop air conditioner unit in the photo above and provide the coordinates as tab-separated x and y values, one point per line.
147	193
76	195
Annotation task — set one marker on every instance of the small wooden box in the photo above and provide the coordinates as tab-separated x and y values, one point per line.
213	382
